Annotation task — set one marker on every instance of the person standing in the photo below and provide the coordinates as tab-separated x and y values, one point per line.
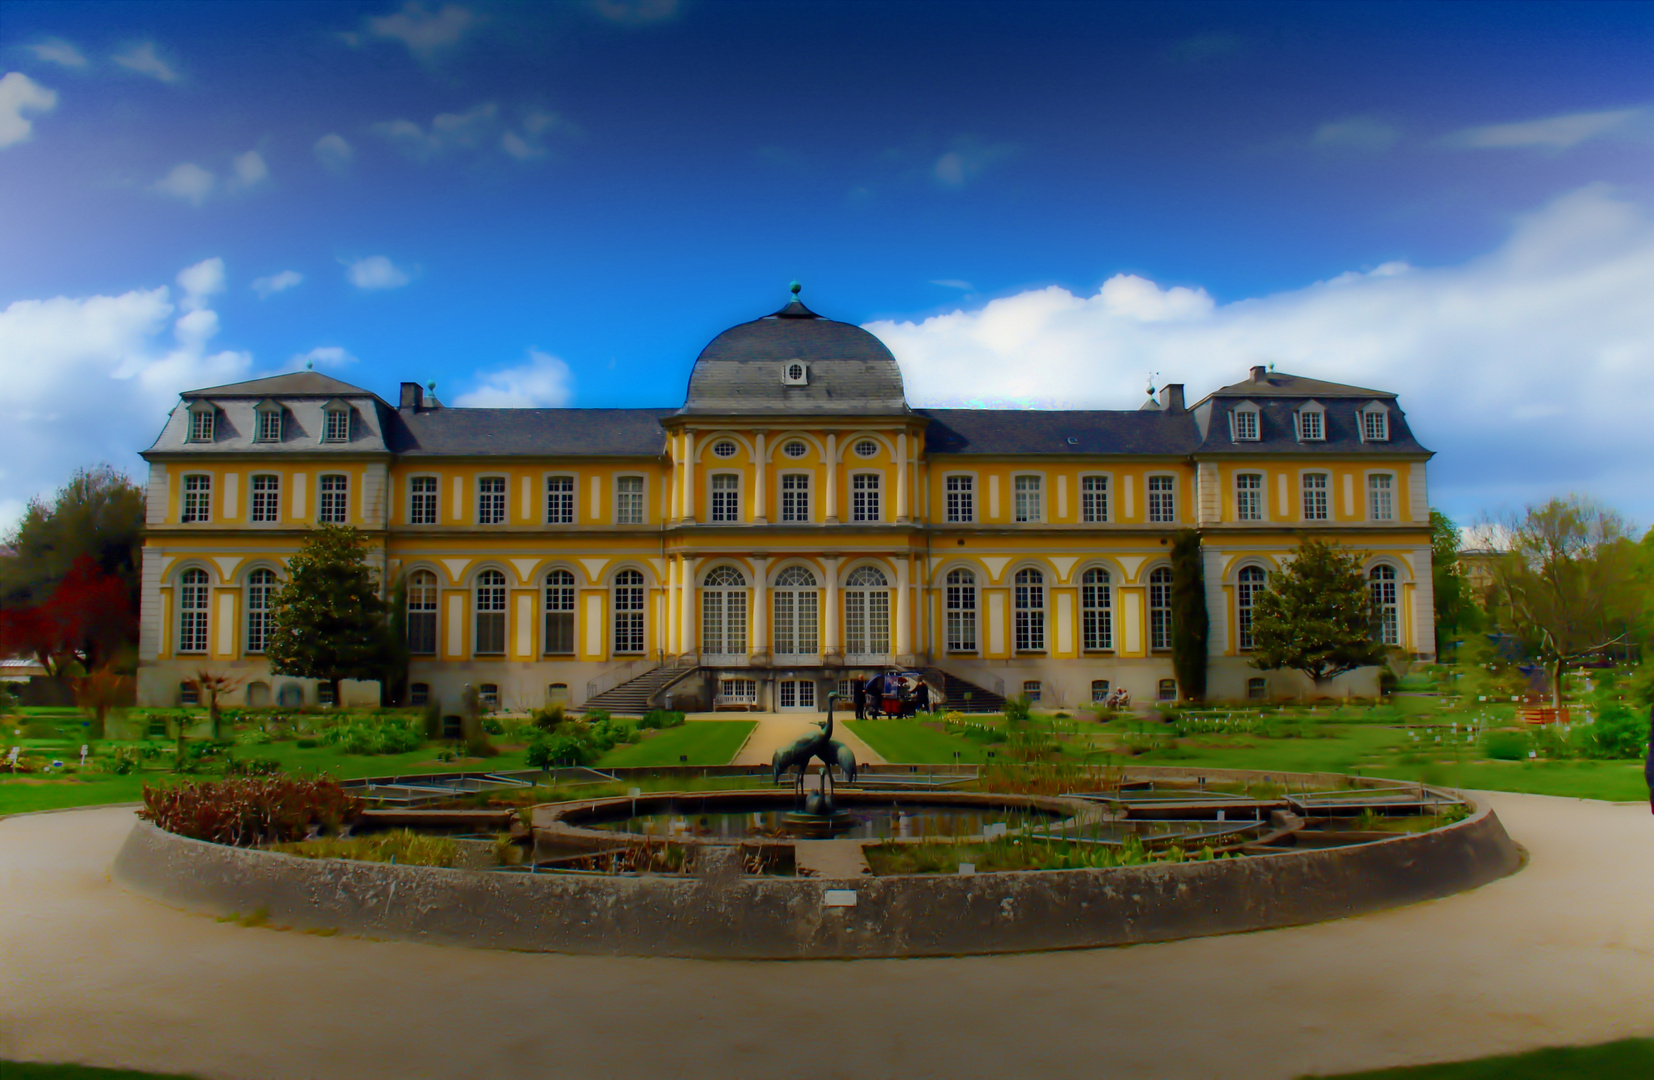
923	695
858	692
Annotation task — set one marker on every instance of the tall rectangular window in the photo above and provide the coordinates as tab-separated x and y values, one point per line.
422	500
260	584
961	611
1094	498
491	500
864	497
422	599
1030	504
1097	610
1315	496
193	597
490	636
197	497
1162	498
1381	504
336	425
1375	425
559	500
335	503
629	500
795	497
961	492
1160	609
559	612
266	497
1249	497
269	425
726	497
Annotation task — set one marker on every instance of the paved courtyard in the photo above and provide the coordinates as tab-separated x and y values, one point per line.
1562	952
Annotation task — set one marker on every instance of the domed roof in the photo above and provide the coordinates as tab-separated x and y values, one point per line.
795	361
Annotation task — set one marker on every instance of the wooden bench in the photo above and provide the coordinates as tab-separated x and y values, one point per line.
1545	715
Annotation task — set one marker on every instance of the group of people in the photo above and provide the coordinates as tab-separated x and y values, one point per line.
893	693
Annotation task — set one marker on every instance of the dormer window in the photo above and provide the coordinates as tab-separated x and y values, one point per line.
336	422
1375	422
202	416
795	373
1312	423
268	427
1244	420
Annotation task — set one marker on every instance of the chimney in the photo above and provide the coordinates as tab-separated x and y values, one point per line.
1259	373
413	396
1171	397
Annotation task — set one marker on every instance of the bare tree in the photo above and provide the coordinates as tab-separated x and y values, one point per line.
1566	579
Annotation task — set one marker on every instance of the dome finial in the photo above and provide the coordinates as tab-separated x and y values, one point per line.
796	288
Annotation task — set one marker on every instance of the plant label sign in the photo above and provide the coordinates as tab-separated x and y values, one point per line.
838	898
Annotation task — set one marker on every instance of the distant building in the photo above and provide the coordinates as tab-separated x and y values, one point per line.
794	521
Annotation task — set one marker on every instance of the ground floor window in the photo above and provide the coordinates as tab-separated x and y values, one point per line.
419	694
738	691
1168	690
189	694
324	693
453	727
796	694
1031	690
489	693
1099	690
1257	689
557	692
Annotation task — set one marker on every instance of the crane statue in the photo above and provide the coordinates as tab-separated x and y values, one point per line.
820	746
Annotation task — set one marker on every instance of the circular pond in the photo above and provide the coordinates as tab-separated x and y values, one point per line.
759	818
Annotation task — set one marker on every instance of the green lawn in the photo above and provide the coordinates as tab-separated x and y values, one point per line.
703	742
1628	1059
908	743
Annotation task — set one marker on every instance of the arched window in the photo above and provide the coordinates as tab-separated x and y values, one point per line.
961	611
559	612
795	614
422	613
1160	609
1249	583
866	615
1030	611
490	638
724	613
1381	581
260	584
628	612
1096	610
193	598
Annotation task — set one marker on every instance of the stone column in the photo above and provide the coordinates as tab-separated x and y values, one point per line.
760	645
760	468
688	475
904	611
830	645
674	509
902	514
686	608
673	648
831	500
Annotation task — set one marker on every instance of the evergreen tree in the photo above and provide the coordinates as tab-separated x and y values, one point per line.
1316	616
327	619
1456	614
1189	620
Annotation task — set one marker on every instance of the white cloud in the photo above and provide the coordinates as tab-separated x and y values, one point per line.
187	181
333	152
449	131
91	378
376	272
1553	132
543	382
424	32
955	283
1357	133
20	94
142	58
322	356
58	51
1528	369
275	283
635	12
249	169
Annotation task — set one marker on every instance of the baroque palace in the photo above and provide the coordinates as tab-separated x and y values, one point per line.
793	523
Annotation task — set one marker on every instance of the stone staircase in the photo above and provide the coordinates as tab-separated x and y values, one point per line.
632	698
954	690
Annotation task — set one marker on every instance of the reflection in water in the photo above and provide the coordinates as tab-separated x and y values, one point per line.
870	821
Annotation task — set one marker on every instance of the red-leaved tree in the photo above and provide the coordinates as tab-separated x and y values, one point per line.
86	623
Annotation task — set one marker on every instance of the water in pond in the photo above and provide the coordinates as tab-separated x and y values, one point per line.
870	820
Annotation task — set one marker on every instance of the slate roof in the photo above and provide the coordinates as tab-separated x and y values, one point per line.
529	432
1280	384
292	384
1041	431
850	370
1278	396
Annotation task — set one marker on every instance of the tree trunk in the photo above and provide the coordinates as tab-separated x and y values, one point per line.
1556	688
212	713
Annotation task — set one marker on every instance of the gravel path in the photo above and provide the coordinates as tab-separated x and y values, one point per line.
776	730
1562	952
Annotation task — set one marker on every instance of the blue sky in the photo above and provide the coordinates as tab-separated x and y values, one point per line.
1032	203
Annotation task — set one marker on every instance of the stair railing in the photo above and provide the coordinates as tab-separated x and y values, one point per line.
615	676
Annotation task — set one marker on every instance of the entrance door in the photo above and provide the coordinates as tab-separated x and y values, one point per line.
724	617
866	617
795	695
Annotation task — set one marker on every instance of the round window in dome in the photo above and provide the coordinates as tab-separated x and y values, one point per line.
794	449
724	448
795	372
867	448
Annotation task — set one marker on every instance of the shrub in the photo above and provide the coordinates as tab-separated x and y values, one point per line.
1506	745
493	726
566	748
402	846
550	717
248	811
252	767
1017	709
1618	733
393	734
661	718
307	744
